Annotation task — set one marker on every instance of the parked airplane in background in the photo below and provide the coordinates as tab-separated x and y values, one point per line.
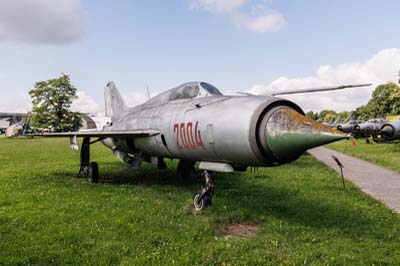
195	122
20	129
389	131
370	128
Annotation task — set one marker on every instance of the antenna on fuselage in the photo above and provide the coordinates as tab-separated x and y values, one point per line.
148	92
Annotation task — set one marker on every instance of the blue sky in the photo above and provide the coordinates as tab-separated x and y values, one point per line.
165	43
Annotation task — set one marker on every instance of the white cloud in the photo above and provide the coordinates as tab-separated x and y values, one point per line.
268	22
380	68
41	21
18	103
134	98
85	104
217	6
260	19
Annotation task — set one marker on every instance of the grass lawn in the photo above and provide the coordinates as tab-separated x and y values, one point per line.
49	217
383	154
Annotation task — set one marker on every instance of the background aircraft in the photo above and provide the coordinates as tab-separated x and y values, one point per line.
195	122
370	128
20	128
389	131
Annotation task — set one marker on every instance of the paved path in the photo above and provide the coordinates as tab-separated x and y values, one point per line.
379	182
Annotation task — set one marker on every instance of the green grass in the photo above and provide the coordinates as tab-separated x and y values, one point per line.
49	217
383	154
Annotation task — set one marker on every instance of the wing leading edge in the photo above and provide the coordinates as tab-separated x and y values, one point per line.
95	133
99	134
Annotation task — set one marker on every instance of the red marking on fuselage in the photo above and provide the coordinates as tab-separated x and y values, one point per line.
176	131
182	131
190	138
199	141
184	136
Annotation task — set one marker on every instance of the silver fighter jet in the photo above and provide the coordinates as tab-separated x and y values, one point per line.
195	122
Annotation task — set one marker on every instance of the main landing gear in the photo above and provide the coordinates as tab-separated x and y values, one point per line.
185	170
202	198
89	170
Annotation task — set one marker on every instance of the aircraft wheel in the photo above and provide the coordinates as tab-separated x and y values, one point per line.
93	173
201	202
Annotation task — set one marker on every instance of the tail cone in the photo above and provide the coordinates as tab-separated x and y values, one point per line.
289	134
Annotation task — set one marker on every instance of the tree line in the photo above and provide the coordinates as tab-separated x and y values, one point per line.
385	100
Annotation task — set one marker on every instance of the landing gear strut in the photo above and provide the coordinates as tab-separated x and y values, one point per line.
202	198
185	170
89	170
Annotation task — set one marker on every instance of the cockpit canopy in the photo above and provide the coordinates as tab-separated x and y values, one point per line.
193	90
189	90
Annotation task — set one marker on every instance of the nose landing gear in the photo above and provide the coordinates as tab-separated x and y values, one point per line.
202	198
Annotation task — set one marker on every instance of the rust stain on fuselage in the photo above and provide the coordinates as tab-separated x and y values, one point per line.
301	123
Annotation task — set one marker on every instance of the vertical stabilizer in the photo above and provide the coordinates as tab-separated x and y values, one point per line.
338	120
115	105
351	117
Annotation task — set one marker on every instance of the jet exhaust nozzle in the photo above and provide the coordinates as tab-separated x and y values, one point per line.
387	131
289	134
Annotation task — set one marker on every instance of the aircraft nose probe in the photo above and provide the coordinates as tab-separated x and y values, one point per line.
289	134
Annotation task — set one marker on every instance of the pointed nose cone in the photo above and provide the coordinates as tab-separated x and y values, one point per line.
289	134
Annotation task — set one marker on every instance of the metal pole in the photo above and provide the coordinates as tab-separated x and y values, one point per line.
341	169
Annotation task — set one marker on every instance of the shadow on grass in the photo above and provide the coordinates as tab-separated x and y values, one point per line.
295	207
252	202
115	173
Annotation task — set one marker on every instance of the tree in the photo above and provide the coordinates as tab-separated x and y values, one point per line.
327	115
51	101
343	115
363	113
312	115
385	100
399	76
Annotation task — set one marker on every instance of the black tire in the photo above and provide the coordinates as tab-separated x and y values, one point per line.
200	204
93	173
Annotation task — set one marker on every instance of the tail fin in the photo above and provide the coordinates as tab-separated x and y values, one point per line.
115	105
349	118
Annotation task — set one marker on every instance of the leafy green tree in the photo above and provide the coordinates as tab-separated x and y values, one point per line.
385	100
312	115
343	115
399	76
327	115
363	113
51	101
395	100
